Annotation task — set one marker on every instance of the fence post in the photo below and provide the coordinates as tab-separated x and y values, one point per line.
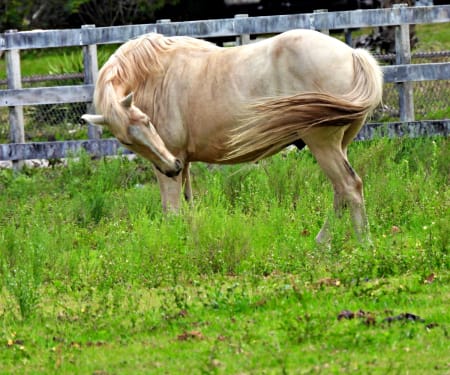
14	79
164	20
243	38
317	11
90	64
403	56
348	37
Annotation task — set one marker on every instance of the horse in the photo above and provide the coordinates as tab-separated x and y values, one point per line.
178	100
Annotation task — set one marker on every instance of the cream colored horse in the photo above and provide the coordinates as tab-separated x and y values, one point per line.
177	100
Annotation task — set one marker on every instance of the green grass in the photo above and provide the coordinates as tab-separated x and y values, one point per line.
95	280
48	61
433	37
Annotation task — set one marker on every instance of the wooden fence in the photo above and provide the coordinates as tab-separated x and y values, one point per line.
240	27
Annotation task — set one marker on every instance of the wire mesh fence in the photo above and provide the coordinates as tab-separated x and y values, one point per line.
430	97
50	122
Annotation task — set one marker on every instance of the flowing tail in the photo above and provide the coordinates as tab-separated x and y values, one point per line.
270	125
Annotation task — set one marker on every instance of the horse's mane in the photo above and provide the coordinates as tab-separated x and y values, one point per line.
132	64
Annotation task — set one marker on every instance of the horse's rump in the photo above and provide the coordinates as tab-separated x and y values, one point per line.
270	124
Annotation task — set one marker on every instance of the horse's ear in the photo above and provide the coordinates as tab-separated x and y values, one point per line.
94	119
127	101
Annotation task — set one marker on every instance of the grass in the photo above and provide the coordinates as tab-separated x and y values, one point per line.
94	279
433	37
48	61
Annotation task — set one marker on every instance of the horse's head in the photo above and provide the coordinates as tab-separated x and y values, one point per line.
137	133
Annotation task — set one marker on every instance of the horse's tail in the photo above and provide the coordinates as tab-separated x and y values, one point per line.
270	125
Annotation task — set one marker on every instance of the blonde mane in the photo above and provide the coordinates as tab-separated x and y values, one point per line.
131	65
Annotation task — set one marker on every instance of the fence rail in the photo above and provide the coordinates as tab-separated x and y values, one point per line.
104	147
228	27
87	37
84	93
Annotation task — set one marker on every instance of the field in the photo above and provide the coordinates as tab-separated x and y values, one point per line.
94	280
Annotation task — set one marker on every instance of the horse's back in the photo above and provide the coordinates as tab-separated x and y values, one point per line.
314	60
207	91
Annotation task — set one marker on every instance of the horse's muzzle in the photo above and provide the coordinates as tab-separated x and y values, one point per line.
176	171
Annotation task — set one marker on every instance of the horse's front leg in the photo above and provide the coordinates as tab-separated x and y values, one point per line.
170	189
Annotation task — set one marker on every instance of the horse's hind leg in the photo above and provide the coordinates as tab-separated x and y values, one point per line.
326	146
359	217
351	132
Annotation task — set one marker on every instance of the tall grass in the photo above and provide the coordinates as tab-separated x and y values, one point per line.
100	223
91	272
94	279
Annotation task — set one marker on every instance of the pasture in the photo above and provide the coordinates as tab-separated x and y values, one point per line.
94	280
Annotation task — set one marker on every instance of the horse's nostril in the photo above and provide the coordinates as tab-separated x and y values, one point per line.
176	171
179	164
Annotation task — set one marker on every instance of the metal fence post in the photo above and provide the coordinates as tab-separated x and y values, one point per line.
243	38
90	64
403	56
14	79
